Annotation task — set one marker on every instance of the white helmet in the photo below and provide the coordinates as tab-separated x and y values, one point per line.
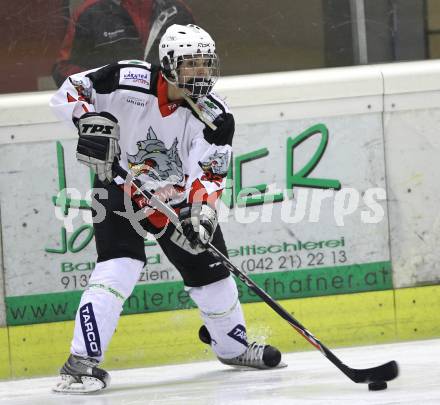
189	42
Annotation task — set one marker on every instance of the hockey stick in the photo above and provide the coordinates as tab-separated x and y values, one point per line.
155	29
384	372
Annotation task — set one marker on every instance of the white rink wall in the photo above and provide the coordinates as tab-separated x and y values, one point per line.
395	107
407	95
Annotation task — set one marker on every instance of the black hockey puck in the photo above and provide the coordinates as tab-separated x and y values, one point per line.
377	386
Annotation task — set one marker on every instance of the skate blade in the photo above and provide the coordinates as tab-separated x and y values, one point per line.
88	385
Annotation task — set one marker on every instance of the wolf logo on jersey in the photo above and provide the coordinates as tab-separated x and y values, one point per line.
215	167
83	88
154	160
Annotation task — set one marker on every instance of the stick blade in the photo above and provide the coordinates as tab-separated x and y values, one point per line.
385	372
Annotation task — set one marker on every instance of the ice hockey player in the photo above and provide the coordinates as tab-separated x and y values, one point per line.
136	113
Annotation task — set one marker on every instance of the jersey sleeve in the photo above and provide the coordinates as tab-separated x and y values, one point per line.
74	98
83	92
211	154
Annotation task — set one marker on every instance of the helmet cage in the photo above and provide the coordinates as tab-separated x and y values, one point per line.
196	73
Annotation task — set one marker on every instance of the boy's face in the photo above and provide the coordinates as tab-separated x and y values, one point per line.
198	73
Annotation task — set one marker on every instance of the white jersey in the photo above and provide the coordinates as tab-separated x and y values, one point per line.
162	142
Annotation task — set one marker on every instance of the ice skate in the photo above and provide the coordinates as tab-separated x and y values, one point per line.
81	375
256	356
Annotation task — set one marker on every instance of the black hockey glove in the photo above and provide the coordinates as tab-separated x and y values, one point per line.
225	130
198	222
98	143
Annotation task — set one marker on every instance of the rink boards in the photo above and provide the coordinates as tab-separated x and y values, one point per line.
331	201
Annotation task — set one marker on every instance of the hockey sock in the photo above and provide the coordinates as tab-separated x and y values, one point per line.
221	312
110	284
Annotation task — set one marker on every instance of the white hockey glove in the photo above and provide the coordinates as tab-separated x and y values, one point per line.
98	143
198	222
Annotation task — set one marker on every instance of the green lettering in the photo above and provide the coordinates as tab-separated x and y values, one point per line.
332	243
66	267
84	266
233	252
274	249
261	250
75	235
287	246
309	245
246	196
62	200
300	178
63	248
153	259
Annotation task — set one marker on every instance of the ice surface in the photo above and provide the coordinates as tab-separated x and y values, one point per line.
309	379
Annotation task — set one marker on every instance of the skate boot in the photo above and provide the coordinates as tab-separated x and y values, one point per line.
256	355
81	375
